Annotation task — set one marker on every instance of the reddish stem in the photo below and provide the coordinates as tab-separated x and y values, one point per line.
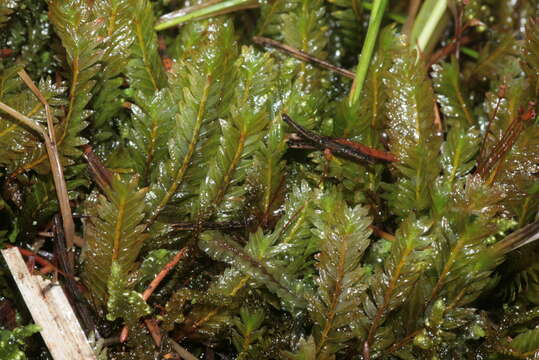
153	328
47	266
5	53
379	154
154	284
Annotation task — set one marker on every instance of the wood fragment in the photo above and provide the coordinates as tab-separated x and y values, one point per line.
50	310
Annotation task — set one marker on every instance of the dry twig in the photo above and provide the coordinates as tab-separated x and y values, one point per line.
54	159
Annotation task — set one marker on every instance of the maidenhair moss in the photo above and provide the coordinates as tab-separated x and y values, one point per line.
174	149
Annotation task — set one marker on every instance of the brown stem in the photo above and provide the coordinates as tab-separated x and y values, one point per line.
501	95
300	55
155	283
41	261
101	175
56	169
153	328
448	50
403	342
381	233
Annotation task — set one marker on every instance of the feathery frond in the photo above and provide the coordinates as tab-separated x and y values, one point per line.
347	21
258	259
76	25
114	233
408	260
249	330
412	136
341	281
240	133
451	96
197	87
144	71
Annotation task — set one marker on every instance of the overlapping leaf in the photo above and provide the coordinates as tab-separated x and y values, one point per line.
412	135
114	233
341	281
197	85
240	134
260	260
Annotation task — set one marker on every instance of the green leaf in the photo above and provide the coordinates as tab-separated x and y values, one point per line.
145	70
527	342
412	135
459	151
118	39
271	14
114	233
78	27
391	286
240	134
530	62
464	263
19	145
344	236
248	331
150	132
152	264
293	234
451	95
306	350
267	175
197	85
122	302
347	26
6	9
496	58
12	341
259	260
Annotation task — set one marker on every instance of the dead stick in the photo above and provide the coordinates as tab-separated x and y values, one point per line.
155	283
56	169
298	54
101	175
55	165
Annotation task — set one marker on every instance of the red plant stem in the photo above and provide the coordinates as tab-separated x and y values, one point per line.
5	52
506	142
448	49
381	233
154	284
375	153
153	328
501	95
43	262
